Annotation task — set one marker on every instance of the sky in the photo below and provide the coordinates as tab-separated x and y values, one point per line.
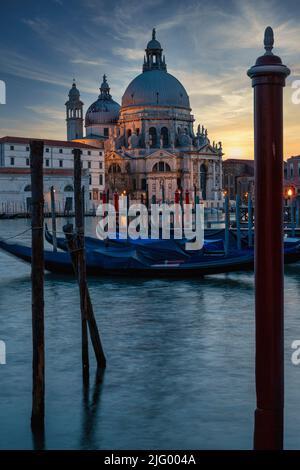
209	45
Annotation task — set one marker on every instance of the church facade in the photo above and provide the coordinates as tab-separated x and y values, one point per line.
150	146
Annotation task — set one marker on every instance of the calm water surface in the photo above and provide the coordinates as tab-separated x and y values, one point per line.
180	361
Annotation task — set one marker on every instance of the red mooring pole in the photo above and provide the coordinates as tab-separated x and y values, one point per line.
268	79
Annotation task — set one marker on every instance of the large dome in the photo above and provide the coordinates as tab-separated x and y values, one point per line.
103	111
156	87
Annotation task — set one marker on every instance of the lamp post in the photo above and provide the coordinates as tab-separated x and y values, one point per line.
268	79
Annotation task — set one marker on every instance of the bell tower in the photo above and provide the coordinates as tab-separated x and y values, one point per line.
74	109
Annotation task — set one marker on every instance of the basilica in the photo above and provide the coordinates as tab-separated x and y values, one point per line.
150	146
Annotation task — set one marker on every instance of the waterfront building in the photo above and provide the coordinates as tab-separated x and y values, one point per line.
292	173
147	147
58	172
151	149
238	178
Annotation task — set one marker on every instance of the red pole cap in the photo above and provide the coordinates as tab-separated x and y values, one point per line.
116	201
187	196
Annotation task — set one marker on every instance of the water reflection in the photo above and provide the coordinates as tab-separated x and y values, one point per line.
38	439
180	361
90	410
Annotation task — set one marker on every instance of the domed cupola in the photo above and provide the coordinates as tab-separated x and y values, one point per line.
74	94
154	59
155	86
103	111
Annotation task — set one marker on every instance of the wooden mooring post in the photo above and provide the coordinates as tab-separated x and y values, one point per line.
227	223
53	217
81	265
268	79
37	279
293	207
77	251
250	221
238	221
297	212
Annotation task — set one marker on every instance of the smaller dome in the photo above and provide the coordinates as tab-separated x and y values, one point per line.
154	44
74	92
102	112
105	110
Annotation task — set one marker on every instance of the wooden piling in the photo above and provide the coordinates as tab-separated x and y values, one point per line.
293	217
53	217
77	250
297	212
238	221
268	79
94	332
37	280
249	221
83	206
227	223
81	265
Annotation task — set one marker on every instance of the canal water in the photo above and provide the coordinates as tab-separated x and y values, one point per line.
180	358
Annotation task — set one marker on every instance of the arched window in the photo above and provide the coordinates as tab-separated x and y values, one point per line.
153	137
165	136
128	168
68	188
128	133
27	188
203	172
161	167
114	168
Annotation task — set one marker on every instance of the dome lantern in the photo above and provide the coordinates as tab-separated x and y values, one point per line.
104	90
154	59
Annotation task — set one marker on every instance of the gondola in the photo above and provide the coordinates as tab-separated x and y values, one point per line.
133	260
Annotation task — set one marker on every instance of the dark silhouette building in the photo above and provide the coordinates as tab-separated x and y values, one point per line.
238	177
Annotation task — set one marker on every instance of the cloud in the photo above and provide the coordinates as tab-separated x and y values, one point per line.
93	62
47	112
208	47
127	53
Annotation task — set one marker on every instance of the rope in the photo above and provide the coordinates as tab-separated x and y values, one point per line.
30	229
34	228
21	233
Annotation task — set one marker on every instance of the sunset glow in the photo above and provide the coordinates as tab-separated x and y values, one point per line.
209	47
